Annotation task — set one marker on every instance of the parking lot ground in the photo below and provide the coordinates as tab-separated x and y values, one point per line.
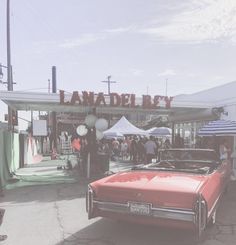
54	214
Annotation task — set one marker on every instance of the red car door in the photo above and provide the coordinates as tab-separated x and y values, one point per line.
216	184
225	171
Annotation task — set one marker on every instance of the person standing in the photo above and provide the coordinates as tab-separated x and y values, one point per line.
83	154
123	149
224	150
140	150
116	147
150	147
133	150
167	144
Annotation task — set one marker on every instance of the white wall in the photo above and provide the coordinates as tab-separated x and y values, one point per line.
231	110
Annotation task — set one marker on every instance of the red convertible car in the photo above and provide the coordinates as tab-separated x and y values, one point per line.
181	189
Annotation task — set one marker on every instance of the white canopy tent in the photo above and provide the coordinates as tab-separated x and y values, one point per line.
111	135
124	127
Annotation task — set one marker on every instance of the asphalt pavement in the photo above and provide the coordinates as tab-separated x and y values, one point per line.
43	212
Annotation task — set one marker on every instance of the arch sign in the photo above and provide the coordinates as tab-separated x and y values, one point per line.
116	100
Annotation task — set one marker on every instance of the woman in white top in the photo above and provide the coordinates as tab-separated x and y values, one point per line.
224	150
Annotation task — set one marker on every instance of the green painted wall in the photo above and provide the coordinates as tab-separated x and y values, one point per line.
9	156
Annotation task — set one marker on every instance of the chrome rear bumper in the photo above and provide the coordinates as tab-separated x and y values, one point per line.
164	213
197	215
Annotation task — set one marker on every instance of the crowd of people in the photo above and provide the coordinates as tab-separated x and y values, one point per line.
137	149
140	149
134	148
143	149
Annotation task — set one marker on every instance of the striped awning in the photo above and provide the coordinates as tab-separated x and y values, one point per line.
218	128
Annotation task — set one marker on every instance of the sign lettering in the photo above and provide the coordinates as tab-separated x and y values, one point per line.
115	100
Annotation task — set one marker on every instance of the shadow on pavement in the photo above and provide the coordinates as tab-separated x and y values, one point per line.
58	192
107	232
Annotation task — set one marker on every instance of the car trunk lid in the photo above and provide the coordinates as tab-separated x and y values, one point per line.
165	189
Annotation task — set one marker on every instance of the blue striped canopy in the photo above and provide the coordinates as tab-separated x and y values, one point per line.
218	128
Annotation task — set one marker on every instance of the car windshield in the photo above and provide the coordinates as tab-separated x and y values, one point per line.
185	160
188	155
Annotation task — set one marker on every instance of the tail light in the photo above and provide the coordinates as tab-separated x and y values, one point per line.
201	214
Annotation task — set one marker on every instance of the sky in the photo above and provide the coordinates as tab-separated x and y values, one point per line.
157	47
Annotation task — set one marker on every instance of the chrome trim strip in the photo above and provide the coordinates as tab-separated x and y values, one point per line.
174	214
213	206
165	213
204	210
113	207
201	214
90	201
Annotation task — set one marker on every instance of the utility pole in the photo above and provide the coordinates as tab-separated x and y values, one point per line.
49	86
109	91
9	67
166	85
109	83
54	116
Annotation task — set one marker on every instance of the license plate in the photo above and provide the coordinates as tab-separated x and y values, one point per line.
139	208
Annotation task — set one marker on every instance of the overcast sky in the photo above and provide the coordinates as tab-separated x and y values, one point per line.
140	43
